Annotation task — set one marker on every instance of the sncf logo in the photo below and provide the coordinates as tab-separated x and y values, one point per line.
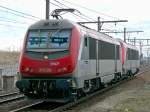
54	63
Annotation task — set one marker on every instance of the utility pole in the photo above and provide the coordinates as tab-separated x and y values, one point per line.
124	34
147	53
145	41
100	23
47	9
103	22
141	56
134	41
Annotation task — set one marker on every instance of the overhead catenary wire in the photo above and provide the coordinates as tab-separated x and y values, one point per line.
14	23
77	15
85	18
79	12
57	5
12	26
6	11
86	9
72	13
28	16
91	10
19	12
3	19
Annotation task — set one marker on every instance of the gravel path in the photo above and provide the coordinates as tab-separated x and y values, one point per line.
133	96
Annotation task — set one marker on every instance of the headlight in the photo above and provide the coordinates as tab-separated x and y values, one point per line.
72	83
26	69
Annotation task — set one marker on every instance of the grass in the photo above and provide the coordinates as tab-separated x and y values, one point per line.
138	104
9	57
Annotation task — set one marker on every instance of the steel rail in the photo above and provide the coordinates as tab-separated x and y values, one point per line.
11	99
9	94
35	102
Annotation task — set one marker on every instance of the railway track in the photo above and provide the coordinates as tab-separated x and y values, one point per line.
5	98
15	101
16	104
71	104
8	94
25	103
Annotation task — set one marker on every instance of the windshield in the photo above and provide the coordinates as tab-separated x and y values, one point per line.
48	39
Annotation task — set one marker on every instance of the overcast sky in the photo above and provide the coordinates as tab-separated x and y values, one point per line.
135	11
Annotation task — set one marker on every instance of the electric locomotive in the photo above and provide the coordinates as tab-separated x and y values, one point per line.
62	60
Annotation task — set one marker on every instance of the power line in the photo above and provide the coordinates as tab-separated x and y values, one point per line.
61	3
103	22
122	31
100	23
91	10
12	21
18	15
19	12
82	14
12	26
72	13
69	7
82	7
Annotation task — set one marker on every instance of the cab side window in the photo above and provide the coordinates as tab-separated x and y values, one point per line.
85	41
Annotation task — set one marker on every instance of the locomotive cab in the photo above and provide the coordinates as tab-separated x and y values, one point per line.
46	47
48	59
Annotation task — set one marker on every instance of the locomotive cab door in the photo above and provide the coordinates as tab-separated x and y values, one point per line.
93	56
97	59
116	52
86	61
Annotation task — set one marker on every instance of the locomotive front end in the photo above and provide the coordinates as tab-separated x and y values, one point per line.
48	60
47	53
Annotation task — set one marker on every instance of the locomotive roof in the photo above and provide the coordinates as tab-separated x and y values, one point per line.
98	35
67	24
52	24
102	36
128	45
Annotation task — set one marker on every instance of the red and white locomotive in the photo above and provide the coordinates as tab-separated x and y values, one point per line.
62	59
